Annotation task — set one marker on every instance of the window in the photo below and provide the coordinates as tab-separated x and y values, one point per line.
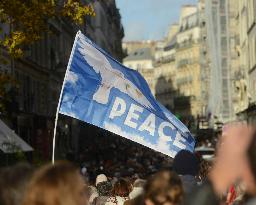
224	83
224	72
223	24
224	45
222	5
224	63
225	103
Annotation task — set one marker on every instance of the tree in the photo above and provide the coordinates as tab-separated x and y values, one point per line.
27	19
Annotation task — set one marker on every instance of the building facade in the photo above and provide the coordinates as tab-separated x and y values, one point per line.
188	73
106	28
180	67
204	62
130	46
251	32
239	77
217	21
246	18
41	72
233	58
165	70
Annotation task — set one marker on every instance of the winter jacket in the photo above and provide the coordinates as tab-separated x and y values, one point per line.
189	183
205	195
101	200
202	195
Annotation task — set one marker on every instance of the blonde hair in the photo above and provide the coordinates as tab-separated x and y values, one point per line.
58	184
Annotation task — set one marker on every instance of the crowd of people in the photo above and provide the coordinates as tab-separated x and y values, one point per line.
118	157
230	179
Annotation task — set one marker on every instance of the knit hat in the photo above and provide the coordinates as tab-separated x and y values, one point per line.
101	178
186	163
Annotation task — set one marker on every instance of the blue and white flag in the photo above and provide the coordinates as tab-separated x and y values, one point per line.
101	91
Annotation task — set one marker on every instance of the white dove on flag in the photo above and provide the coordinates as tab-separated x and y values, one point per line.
111	78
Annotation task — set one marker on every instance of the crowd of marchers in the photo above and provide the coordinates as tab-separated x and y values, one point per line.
230	179
118	157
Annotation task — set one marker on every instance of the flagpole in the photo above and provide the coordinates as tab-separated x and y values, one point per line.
61	93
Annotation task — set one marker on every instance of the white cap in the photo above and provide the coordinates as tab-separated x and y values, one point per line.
101	178
83	170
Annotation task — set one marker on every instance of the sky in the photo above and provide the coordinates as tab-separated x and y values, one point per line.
149	19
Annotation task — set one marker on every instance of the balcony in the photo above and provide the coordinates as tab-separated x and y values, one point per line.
184	62
186	44
164	60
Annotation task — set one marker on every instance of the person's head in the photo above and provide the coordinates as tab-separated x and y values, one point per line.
139	183
138	188
164	188
59	184
122	188
186	163
13	183
204	168
101	178
104	188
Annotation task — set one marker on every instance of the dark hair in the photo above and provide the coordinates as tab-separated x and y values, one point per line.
252	154
204	168
104	188
122	188
186	163
165	185
13	183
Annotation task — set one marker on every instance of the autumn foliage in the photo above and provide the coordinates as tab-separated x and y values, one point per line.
27	19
